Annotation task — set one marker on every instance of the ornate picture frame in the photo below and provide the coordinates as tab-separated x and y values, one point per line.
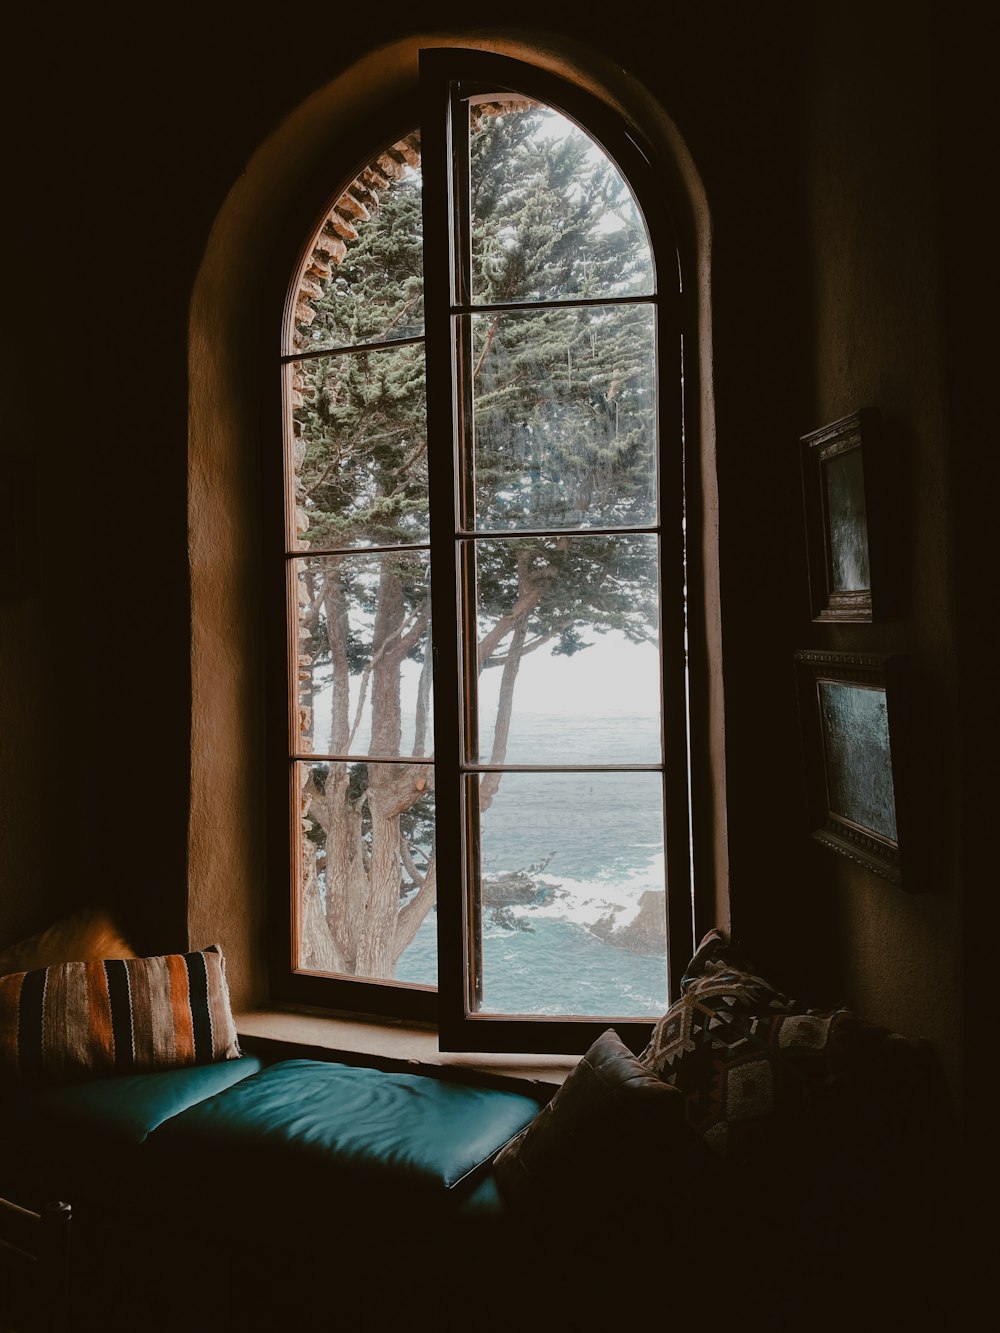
852	710
841	485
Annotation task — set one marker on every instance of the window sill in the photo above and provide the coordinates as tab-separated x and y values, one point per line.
283	1034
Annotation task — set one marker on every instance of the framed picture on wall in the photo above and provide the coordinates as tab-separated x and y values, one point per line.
841	491
852	713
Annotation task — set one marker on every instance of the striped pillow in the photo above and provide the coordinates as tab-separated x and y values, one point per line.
119	1016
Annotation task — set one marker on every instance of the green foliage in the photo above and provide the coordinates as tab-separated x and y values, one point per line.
376	292
551	216
564	400
565	419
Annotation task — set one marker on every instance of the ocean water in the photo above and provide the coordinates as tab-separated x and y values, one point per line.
599	837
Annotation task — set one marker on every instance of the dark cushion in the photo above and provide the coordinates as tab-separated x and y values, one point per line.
811	1116
307	1135
113	1112
607	1170
81	1141
606	1143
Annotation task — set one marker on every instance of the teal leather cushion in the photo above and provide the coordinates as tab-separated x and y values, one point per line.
112	1113
308	1134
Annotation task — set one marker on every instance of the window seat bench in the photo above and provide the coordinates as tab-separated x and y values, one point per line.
243	1173
299	1163
764	1163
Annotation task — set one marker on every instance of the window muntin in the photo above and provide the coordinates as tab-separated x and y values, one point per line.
580	489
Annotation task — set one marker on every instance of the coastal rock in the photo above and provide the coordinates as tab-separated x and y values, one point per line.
516	888
645	933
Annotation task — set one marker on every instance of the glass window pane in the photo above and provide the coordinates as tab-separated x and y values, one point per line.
572	900
362	280
552	216
359	453
364	684
367	875
564	418
569	667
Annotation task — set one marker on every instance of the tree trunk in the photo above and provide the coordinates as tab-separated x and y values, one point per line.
378	919
346	888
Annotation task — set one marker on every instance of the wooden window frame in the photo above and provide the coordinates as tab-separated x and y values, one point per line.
449	76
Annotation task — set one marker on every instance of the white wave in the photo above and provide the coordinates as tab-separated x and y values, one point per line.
585	902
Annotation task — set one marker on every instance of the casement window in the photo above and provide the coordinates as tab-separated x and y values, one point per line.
487	762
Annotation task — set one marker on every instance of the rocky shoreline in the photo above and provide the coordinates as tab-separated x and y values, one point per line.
644	933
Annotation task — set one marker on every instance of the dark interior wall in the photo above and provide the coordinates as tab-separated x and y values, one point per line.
39	719
814	130
877	290
967	135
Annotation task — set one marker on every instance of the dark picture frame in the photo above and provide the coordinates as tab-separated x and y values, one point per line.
841	481
852	709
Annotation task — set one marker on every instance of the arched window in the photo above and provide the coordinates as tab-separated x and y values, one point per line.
488	755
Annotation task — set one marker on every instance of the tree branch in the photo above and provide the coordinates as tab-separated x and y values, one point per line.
412	916
490	783
408	864
490	335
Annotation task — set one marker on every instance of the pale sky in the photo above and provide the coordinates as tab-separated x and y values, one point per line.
621	676
611	678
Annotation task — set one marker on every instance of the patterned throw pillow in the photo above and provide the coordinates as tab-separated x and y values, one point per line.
116	1016
755	1065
